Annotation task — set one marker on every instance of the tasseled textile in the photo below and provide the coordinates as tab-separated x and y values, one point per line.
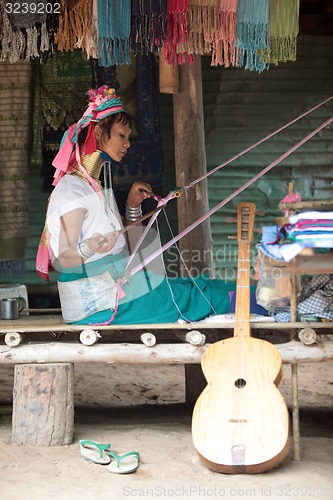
75	26
251	34
203	25
148	26
176	42
283	31
26	35
114	25
223	46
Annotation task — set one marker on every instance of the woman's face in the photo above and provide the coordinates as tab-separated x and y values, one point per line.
117	145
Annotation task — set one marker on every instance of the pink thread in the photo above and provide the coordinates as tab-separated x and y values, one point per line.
228	198
246	150
120	295
161	203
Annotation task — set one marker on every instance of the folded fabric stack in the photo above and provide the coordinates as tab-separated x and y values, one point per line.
311	229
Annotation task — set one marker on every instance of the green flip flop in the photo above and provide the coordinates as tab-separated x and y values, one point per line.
95	452
124	464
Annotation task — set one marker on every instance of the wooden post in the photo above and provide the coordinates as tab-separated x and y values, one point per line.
190	160
294	366
43	404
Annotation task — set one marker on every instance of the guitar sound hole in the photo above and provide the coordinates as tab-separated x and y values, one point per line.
240	383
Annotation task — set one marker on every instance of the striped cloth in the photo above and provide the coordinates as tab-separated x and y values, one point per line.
15	129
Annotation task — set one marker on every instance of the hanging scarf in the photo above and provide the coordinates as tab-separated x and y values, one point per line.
283	31
75	25
203	25
114	24
251	33
25	35
223	46
148	26
175	46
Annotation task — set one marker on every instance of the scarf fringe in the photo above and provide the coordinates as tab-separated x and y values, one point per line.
18	45
33	41
113	52
223	47
148	33
281	50
283	31
75	26
252	34
176	42
203	26
148	26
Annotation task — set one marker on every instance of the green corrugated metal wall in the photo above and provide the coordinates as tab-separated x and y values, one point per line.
240	108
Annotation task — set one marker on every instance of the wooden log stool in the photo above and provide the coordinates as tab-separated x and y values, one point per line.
43	404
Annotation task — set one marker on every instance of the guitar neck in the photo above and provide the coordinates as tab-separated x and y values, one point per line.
245	218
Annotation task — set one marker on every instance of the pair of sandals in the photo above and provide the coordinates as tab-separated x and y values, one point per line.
102	454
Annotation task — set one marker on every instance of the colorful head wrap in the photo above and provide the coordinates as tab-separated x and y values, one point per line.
103	102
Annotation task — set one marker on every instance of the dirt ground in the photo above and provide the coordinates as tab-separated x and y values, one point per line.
140	408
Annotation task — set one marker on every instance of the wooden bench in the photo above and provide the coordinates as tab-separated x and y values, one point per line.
44	351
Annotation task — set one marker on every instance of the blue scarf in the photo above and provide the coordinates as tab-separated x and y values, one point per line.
114	25
251	34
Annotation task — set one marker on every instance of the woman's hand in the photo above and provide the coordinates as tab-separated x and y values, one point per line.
98	243
138	192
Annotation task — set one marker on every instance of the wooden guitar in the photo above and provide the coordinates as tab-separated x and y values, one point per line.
240	422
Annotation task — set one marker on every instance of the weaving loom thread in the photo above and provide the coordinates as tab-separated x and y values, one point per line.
163	201
208	214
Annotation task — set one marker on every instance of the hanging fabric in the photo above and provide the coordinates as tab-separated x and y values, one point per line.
15	127
203	25
148	26
283	31
176	42
60	84
114	24
26	33
251	34
223	45
75	25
